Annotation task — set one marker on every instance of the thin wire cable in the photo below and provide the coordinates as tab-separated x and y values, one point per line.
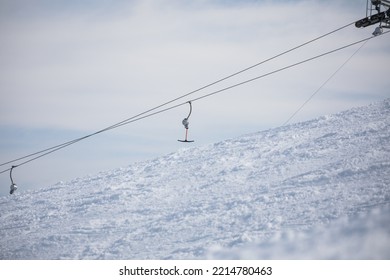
283	68
318	90
253	79
55	148
131	120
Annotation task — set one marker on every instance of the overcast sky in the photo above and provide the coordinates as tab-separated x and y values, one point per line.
70	68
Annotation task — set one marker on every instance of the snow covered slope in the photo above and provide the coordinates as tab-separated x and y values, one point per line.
289	192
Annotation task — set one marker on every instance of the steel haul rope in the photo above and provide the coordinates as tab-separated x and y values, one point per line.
149	113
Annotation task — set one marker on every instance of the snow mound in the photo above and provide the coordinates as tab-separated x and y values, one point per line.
274	190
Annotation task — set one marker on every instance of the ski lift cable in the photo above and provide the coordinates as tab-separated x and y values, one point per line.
56	147
140	116
149	113
285	68
323	84
250	80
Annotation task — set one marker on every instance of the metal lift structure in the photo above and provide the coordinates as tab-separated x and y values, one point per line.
377	12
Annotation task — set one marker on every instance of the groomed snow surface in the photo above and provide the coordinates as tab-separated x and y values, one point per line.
312	190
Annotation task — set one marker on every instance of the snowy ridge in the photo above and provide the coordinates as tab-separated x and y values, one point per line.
250	197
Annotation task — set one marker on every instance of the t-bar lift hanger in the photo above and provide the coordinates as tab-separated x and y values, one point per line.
186	123
13	185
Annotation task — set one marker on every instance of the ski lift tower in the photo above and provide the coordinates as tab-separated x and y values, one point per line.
377	11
